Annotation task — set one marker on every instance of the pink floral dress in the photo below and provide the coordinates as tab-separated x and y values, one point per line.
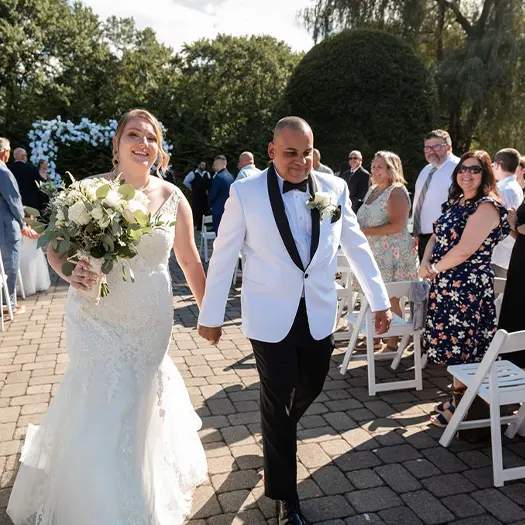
395	253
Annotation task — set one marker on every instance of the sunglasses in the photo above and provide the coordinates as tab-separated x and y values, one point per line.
353	158
473	170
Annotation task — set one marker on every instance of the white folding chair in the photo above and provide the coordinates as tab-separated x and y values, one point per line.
499	290
4	291
238	271
346	296
206	236
498	383
364	321
20	287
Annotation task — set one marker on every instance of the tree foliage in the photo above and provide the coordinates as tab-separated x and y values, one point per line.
376	94
59	58
473	47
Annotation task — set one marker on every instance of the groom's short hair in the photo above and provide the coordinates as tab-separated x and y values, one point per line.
296	123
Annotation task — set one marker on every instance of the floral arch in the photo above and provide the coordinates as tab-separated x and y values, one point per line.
46	135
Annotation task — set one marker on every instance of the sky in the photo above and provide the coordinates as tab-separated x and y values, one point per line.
183	21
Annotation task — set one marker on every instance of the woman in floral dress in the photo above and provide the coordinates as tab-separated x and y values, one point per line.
461	318
383	219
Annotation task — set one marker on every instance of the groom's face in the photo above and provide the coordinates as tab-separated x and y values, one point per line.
292	154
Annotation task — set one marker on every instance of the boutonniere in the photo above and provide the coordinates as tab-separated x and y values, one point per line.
323	202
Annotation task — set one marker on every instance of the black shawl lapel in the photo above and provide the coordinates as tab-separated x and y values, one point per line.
279	214
316	218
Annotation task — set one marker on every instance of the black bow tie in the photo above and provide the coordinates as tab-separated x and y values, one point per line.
289	186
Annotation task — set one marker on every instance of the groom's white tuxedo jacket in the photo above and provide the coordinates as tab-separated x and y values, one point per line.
274	278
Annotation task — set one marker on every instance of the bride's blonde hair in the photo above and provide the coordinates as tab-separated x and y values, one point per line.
163	158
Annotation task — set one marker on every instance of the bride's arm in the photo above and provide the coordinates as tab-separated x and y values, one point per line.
186	251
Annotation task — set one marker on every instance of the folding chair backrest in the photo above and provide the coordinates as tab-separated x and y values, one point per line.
399	289
342	263
499	285
514	342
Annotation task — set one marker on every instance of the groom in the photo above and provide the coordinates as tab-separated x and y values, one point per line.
288	298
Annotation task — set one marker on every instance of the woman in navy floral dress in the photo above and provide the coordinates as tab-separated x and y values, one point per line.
461	318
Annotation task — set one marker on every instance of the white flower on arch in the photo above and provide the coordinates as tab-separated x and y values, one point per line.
45	136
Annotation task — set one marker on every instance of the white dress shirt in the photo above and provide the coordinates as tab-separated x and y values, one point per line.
512	196
437	192
248	171
300	219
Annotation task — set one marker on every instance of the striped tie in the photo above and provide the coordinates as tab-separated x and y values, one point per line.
416	228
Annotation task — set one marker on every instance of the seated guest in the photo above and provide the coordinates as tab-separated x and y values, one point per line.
461	317
246	166
383	218
506	162
317	166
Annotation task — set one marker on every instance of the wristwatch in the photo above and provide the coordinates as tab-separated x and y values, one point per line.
434	269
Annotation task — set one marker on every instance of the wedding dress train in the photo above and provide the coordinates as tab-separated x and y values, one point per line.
119	443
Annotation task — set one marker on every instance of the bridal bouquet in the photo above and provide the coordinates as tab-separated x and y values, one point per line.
98	221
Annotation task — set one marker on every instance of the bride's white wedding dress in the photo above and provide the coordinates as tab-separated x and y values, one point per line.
119	443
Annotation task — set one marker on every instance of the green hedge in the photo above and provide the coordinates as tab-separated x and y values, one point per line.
365	90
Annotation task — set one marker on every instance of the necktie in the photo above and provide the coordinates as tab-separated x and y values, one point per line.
289	186
416	229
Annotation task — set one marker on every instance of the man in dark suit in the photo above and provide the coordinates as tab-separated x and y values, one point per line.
26	176
220	190
357	178
199	182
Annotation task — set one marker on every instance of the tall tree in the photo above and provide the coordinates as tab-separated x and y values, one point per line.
471	45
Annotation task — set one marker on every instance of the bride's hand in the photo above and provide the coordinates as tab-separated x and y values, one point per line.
211	334
82	277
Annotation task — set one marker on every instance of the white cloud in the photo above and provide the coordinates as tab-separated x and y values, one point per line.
183	21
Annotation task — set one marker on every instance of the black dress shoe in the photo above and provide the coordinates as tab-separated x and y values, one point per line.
289	513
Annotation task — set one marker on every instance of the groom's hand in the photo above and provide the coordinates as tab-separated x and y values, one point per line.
382	320
211	334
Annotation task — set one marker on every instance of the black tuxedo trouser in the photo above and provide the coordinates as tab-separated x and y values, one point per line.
292	374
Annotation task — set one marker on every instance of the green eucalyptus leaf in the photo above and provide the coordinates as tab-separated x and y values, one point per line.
107	266
141	217
64	245
67	268
31	211
127	191
103	191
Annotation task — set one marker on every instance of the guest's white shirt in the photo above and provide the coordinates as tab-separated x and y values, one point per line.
437	192
512	195
300	219
248	171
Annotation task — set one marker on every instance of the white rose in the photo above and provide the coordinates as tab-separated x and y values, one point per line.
78	213
113	198
97	213
134	205
322	199
60	216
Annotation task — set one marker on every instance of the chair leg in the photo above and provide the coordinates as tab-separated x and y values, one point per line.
497	450
353	340
22	291
370	356
515	426
400	350
417	361
457	418
2	327
206	259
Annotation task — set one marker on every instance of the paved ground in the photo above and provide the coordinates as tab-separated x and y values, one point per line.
362	460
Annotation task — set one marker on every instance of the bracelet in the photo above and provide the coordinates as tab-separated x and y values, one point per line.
434	269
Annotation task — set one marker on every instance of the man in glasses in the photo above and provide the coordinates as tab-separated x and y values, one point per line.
432	186
357	178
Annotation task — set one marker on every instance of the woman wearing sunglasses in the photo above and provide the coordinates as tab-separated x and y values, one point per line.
461	318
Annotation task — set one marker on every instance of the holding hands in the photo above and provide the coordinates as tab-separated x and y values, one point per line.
211	334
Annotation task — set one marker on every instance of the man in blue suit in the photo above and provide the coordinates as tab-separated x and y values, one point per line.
12	223
220	190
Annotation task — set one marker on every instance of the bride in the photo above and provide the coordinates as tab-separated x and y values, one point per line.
119	443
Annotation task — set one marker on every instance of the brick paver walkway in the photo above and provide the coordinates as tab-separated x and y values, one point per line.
362	460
